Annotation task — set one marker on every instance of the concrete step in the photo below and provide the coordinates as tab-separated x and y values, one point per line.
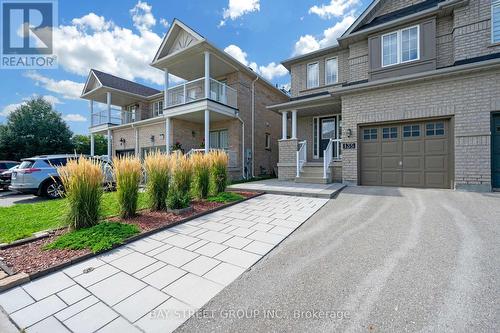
311	174
311	180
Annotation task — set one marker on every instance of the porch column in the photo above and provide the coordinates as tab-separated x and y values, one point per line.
108	101
207	74
92	145
207	131
109	145
284	125
91	107
294	124
168	125
136	142
165	95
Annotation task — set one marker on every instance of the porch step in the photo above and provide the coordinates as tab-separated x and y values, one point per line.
311	180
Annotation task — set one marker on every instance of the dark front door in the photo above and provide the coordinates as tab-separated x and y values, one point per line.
326	132
495	150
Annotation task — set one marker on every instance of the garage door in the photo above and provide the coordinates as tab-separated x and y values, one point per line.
406	154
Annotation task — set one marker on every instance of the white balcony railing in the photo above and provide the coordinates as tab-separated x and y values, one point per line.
195	90
117	117
301	156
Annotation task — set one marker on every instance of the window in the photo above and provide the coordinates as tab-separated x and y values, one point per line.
268	141
331	71
389	132
328	129
313	75
411	131
432	129
495	21
157	108
400	46
219	139
370	134
130	116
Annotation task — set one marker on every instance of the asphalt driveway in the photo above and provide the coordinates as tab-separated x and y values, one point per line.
374	260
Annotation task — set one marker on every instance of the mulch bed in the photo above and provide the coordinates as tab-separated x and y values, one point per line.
30	257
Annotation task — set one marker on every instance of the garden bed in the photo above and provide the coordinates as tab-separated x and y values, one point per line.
31	258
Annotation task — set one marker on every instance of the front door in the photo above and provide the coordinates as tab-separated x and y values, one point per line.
326	132
495	150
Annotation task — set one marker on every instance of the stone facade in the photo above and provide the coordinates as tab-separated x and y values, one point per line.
287	165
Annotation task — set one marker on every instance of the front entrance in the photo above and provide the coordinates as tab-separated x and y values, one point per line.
495	150
324	129
327	132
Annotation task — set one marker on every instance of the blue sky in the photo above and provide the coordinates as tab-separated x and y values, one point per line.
121	37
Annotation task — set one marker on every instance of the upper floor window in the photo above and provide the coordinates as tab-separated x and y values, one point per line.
313	75
495	21
331	71
400	46
157	108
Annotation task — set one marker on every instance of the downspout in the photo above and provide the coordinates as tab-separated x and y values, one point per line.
242	146
253	125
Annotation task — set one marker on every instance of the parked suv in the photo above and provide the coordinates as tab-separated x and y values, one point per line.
6	176
38	175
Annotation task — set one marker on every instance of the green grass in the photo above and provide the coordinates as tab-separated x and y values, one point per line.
97	238
20	221
225	197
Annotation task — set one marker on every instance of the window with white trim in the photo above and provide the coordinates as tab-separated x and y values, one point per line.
401	46
157	108
495	21
219	139
313	75
331	71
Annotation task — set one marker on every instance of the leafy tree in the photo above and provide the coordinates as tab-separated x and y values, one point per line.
81	144
34	128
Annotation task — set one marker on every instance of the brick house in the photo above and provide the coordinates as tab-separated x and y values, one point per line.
220	104
410	96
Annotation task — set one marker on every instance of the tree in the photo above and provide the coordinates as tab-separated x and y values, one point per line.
81	144
34	128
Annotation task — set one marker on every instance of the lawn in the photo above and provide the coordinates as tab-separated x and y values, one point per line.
20	221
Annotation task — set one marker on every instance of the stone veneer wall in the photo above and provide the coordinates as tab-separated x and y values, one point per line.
468	99
287	165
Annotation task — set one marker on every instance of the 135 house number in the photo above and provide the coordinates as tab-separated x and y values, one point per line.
349	145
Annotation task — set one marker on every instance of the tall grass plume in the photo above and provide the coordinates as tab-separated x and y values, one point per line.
218	169
201	174
158	169
179	195
128	177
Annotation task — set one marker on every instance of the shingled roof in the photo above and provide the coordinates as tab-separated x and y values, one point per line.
116	82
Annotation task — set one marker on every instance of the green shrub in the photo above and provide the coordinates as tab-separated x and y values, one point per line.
201	174
82	179
226	197
128	176
180	190
218	169
158	169
97	238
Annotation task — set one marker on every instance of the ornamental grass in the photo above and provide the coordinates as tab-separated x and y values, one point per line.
179	195
218	170
128	177
201	174
158	169
82	179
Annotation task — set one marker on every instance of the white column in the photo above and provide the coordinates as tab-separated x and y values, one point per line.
168	125
137	142
207	74
92	145
284	125
108	101
165	95
294	124
109	145
207	131
91	106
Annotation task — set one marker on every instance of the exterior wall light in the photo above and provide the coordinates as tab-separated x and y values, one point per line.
349	132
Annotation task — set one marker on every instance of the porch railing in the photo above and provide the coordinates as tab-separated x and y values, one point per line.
118	117
301	156
195	90
328	155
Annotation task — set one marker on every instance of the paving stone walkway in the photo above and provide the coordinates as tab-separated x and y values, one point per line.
156	283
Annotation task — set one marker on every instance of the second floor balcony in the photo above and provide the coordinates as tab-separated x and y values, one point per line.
195	90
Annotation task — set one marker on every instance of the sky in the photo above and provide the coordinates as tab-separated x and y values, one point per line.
121	38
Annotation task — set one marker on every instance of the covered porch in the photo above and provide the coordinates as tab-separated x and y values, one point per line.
310	148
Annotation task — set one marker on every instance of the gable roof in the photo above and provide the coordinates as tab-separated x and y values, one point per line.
115	82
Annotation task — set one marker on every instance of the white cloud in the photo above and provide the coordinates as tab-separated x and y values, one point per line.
66	88
12	107
92	21
309	43
336	8
142	17
164	22
74	117
237	8
269	72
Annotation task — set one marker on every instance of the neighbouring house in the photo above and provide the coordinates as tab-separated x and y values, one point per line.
410	96
219	104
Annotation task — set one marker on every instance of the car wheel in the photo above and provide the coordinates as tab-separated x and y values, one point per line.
53	189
